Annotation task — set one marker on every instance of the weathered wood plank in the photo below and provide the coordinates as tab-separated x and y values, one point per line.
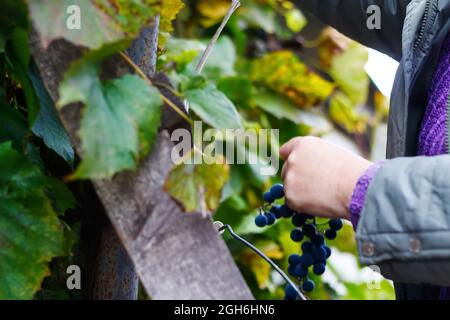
114	277
177	255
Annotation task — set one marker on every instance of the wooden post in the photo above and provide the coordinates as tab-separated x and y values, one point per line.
176	255
114	275
115	278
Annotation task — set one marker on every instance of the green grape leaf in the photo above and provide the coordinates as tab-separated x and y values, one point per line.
198	187
18	54
48	126
119	122
182	51
213	107
238	89
14	127
2	43
221	61
260	17
278	106
42	116
14	14
61	197
285	74
30	232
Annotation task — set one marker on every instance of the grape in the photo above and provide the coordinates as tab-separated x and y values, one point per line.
294	259
318	268
309	230
290	292
319	253
261	221
267	197
308	285
330	234
300	271
285	211
277	191
276	210
307	247
318	239
271	218
336	224
328	251
297	235
291	270
298	220
306	260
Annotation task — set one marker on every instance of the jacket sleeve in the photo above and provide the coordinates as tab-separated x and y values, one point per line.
350	18
404	227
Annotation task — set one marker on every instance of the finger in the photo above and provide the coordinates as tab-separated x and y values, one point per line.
283	171
286	149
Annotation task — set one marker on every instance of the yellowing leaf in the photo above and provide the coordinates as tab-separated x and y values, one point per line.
260	268
381	105
295	20
101	22
284	73
343	113
96	27
130	16
212	11
344	60
168	11
198	187
332	43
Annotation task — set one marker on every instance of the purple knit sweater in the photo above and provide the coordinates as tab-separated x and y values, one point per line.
432	136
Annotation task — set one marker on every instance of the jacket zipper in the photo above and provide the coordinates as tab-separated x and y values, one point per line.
418	44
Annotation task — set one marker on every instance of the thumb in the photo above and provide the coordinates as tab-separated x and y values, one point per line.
286	149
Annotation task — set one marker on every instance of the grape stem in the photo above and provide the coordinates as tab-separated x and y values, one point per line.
235	4
166	100
267	259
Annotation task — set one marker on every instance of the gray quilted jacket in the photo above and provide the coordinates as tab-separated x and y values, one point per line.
405	223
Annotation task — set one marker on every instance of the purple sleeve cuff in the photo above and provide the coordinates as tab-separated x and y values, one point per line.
359	193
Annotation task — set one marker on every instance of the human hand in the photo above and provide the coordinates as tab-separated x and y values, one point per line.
319	177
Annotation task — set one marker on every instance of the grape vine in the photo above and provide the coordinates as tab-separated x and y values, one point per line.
255	76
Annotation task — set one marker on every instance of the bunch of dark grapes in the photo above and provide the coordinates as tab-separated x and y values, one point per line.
310	236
